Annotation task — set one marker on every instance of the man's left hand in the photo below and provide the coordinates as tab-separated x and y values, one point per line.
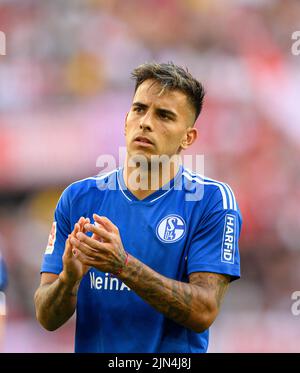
104	250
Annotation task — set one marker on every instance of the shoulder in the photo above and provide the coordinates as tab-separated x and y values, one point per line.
89	185
213	191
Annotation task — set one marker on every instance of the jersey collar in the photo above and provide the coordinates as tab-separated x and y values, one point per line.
156	195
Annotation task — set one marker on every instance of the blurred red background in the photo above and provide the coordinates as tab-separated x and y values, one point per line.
65	89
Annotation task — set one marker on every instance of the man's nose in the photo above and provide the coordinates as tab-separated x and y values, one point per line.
146	122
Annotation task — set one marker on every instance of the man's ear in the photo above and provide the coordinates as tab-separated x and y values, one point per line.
189	138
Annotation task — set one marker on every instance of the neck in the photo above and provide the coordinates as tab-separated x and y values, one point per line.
143	180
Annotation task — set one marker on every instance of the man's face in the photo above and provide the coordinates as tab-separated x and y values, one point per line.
158	123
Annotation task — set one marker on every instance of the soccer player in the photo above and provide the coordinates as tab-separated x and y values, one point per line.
144	253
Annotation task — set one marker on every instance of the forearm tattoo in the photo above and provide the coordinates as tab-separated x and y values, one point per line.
182	302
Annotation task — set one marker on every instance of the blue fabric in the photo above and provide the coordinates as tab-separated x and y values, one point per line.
3	274
191	226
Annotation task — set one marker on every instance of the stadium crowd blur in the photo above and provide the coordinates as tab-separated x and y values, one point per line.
64	93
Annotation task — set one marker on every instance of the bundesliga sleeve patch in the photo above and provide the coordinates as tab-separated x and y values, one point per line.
51	239
229	239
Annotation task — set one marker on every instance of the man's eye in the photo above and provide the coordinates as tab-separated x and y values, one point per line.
138	109
163	116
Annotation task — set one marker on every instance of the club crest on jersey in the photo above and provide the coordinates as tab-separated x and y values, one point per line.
171	228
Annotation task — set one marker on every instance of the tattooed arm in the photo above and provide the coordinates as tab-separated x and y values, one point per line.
194	305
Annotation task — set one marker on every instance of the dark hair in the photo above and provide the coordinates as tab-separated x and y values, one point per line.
171	76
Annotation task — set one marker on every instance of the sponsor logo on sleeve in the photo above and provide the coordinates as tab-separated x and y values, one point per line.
51	239
229	239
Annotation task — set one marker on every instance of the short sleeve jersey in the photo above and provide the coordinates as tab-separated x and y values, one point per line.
190	225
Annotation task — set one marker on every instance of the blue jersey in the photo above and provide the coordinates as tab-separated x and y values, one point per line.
190	225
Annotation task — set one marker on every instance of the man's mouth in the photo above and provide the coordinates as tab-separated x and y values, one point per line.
141	140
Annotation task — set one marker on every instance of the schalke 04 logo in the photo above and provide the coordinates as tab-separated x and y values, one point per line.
171	228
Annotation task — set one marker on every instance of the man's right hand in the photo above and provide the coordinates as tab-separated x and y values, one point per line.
73	269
